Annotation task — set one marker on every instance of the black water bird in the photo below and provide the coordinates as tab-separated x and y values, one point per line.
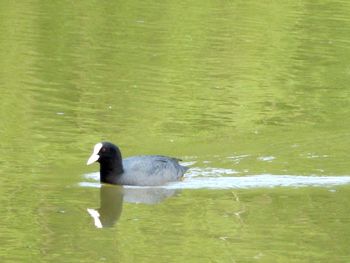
146	170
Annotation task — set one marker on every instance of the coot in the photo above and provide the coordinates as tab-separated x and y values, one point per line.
147	170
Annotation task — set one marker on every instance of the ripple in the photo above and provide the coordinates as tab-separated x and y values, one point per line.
259	181
243	182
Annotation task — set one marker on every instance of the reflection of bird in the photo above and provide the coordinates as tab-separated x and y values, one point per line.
111	204
112	197
138	170
147	195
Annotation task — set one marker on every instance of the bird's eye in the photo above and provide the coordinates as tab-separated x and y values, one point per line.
103	150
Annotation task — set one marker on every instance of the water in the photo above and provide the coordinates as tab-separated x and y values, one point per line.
254	96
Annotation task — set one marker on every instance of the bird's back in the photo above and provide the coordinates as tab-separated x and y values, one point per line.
151	170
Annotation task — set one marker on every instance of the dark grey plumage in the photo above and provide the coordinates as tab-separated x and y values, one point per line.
151	170
147	170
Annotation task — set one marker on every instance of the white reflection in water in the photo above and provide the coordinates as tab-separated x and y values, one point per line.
216	178
259	181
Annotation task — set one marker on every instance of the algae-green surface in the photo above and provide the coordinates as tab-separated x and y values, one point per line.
253	87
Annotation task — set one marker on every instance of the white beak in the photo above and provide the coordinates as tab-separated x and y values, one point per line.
94	156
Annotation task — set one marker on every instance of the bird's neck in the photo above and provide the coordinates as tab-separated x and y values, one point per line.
110	171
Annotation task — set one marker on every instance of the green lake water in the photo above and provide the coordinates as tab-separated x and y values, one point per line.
253	95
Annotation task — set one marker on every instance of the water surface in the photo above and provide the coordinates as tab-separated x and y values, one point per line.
251	94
